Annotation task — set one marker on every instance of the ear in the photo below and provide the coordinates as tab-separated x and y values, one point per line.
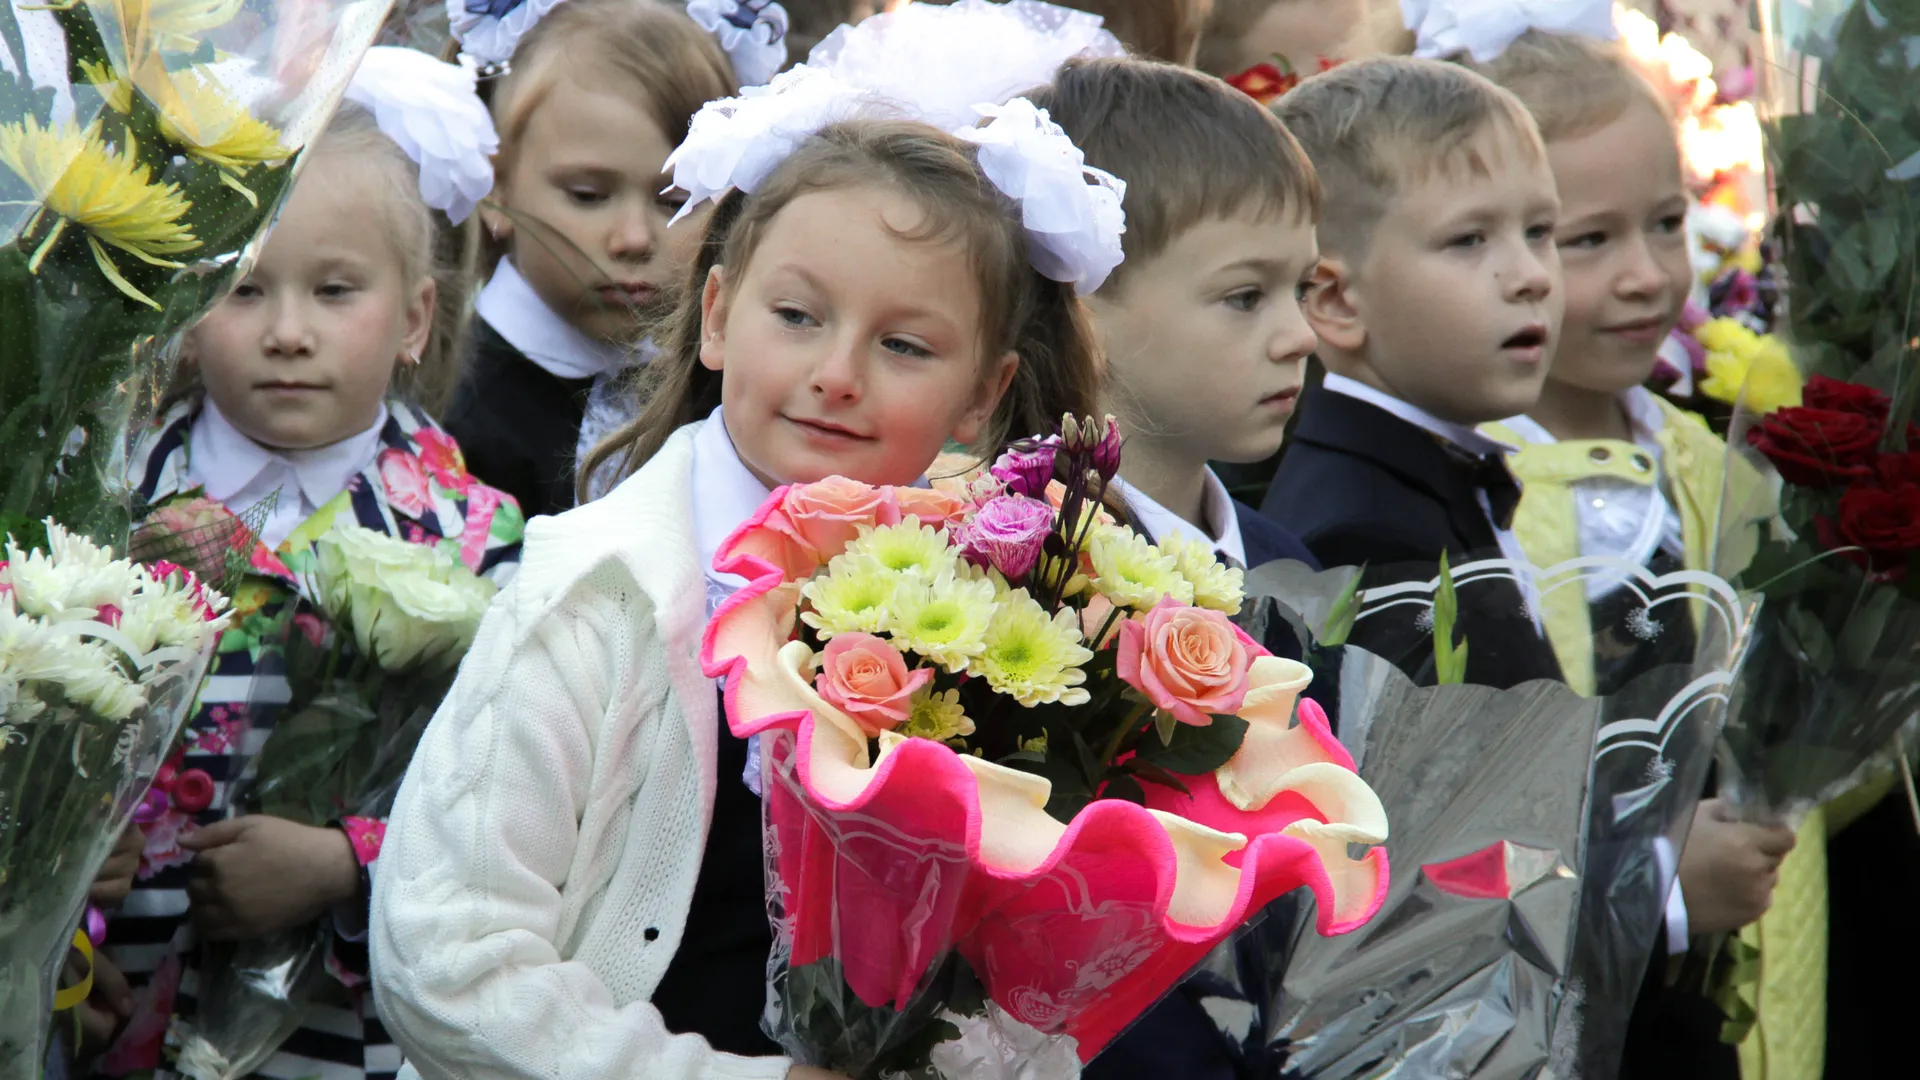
1332	307
419	320
993	387
493	216
714	301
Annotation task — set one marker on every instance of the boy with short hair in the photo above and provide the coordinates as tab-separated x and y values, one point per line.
1201	324
1436	302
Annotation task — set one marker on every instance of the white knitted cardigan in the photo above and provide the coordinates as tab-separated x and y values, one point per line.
542	852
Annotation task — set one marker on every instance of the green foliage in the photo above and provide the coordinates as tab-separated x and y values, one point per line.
1449	660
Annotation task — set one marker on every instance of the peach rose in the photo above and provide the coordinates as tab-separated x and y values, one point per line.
932	507
1189	661
1093	617
867	679
826	516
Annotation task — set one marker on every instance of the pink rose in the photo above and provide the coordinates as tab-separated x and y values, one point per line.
405	479
935	508
1191	662
1007	535
824	517
867	679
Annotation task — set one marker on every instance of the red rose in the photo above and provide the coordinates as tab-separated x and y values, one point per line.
1836	396
1264	83
1897	469
1885	522
1818	447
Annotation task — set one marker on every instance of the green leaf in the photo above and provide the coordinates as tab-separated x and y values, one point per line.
1449	660
1154	774
1341	616
1124	787
1196	751
1860	634
1164	724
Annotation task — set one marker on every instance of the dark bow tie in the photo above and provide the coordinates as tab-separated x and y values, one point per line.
1489	473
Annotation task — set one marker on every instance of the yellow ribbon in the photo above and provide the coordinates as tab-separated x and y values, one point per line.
73	995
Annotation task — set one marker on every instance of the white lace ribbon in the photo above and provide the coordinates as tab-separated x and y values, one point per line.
1484	28
430	109
753	34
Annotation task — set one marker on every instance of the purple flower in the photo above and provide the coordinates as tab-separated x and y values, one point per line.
1739	291
1007	534
1027	471
1106	456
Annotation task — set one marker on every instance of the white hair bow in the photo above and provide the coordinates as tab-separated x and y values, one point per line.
753	34
1484	28
430	109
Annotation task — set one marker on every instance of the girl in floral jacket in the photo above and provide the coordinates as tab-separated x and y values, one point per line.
300	421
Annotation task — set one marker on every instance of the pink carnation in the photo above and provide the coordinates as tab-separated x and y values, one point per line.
1188	661
866	678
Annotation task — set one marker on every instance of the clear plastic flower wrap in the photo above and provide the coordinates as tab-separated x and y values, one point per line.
99	661
1000	832
1537	832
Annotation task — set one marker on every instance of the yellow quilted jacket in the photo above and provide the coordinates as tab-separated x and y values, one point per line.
1791	990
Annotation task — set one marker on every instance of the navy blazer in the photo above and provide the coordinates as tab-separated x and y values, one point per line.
1361	486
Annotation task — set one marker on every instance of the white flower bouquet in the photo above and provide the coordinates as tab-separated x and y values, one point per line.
99	659
364	682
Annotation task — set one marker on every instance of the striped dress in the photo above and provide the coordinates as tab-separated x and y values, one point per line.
416	488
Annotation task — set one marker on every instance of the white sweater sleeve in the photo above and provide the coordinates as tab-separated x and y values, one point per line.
468	905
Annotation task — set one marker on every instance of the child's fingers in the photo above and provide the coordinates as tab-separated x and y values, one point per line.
218	834
1775	842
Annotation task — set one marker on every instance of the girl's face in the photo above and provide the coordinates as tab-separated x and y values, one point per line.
585	211
299	355
1623	248
847	349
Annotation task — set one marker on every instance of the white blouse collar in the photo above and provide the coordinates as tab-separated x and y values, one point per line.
518	315
725	494
224	461
1223	525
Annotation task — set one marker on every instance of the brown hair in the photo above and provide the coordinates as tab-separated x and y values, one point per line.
1166	30
1371	127
1572	84
1040	320
1189	146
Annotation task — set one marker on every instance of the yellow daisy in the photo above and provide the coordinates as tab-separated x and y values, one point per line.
1133	573
1216	586
852	597
81	180
937	716
907	548
1032	658
944	620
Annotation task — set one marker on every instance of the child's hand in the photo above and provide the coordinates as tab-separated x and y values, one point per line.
254	875
115	880
1729	868
106	1010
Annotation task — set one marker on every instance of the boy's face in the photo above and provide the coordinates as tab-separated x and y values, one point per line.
1459	297
1206	341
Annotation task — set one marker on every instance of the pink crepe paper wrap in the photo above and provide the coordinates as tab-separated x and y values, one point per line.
1075	928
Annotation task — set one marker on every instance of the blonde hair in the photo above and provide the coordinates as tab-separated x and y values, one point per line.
1190	147
1042	321
1372	127
1572	84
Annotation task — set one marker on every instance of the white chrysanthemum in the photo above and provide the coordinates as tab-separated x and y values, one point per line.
908	548
1133	573
944	620
17	706
937	716
1032	658
163	613
1216	586
94	681
854	596
29	650
74	577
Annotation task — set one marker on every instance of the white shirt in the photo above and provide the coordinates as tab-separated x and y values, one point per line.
242	474
1222	532
725	494
1617	517
525	321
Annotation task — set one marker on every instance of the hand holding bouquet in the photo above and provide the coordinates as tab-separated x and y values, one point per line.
1027	772
365	681
99	659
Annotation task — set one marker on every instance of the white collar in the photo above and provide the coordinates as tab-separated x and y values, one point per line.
1458	434
1644	417
518	315
725	493
1216	506
225	461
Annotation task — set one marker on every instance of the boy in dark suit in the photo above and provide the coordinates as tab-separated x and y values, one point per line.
1436	302
1201	324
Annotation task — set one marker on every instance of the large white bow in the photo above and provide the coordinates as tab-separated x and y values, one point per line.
1484	28
753	34
430	109
1072	212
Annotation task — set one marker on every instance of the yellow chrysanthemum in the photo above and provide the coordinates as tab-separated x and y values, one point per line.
936	716
944	620
82	180
1216	585
1133	573
1032	658
852	597
1737	357
144	24
908	548
198	115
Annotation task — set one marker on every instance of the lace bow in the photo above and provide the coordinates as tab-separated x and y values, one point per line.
1484	28
753	34
1071	212
430	109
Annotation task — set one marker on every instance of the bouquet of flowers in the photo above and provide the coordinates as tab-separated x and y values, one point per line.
365	680
1025	753
99	659
144	144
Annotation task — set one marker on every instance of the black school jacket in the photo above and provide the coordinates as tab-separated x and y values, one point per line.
518	423
1360	486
